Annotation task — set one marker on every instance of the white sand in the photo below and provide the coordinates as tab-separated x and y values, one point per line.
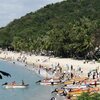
50	62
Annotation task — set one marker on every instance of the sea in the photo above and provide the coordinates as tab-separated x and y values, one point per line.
18	73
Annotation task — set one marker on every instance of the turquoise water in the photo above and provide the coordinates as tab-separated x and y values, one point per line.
19	73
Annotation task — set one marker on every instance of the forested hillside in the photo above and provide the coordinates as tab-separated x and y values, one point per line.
69	29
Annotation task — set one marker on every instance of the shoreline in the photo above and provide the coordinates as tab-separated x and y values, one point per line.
48	62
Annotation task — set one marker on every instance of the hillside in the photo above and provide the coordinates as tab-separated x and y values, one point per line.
69	29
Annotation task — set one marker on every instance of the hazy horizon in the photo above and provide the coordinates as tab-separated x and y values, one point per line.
15	9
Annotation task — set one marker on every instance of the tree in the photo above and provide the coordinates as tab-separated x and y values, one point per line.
87	96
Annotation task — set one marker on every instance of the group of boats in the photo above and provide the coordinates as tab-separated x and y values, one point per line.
73	87
76	89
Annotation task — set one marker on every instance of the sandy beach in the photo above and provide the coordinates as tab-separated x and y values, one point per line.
50	62
49	69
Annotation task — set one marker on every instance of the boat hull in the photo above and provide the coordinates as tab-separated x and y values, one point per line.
48	83
15	86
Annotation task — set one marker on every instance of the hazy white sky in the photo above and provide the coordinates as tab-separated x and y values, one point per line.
12	9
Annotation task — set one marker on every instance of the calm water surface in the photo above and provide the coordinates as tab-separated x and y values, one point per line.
19	73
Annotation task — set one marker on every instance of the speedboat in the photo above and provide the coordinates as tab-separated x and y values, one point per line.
49	83
76	86
16	86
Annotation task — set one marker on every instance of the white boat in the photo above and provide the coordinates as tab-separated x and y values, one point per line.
48	83
16	86
94	83
76	86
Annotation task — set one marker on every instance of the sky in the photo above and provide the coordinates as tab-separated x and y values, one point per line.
14	9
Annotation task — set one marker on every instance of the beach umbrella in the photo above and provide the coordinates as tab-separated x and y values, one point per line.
4	74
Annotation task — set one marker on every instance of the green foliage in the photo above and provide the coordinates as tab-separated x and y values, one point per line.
69	29
87	96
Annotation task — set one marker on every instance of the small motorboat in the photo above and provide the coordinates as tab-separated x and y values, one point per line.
16	86
49	82
76	86
94	83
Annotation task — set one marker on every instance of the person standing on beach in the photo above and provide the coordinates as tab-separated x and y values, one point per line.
95	83
71	67
39	71
52	81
